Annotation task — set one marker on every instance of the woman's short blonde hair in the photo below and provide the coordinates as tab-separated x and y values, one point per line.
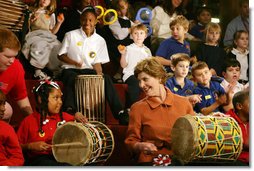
153	68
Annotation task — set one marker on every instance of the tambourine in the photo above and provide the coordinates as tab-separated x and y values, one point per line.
144	15
108	17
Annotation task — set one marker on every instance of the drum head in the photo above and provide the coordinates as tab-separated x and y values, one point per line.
183	138
79	148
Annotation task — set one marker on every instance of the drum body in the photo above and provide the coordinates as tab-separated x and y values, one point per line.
206	138
90	97
80	144
12	14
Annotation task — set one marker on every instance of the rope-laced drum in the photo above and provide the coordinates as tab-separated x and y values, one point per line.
12	14
90	97
80	144
206	138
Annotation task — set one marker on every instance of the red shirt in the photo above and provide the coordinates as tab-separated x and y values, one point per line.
12	81
10	150
29	130
244	156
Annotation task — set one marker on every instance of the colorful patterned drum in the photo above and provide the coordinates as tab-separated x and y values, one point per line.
206	138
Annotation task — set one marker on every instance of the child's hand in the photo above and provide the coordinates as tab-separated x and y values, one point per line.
39	146
213	72
121	49
195	98
60	18
219	114
34	17
80	117
136	22
193	60
222	99
79	64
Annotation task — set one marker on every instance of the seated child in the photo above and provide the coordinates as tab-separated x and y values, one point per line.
231	73
179	84
130	56
240	113
10	150
213	95
41	44
203	18
36	131
175	44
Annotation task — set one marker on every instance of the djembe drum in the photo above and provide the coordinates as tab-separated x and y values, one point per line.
12	14
80	144
90	97
206	138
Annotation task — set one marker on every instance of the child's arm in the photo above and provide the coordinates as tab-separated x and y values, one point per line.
97	67
163	61
64	58
220	100
122	51
195	98
230	95
60	19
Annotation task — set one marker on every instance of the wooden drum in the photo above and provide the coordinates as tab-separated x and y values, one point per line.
206	138
12	14
91	97
80	144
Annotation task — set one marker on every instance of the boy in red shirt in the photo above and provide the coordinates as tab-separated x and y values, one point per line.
241	114
10	150
12	75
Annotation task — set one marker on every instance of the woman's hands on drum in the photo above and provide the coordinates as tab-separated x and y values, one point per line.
38	146
80	117
146	147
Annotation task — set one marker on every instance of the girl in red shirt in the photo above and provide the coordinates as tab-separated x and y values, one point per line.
36	130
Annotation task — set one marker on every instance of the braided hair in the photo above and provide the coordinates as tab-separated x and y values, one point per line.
41	93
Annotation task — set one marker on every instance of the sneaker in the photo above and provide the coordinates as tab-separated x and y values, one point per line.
42	76
123	117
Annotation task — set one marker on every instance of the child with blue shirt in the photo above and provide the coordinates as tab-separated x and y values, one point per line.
213	95
176	43
179	84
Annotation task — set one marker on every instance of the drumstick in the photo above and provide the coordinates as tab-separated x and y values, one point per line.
70	144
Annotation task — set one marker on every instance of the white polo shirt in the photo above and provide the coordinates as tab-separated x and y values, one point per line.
79	47
238	87
134	55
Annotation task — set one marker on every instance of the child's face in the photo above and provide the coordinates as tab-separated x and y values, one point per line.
88	22
181	69
204	17
55	101
178	32
44	3
246	107
232	74
7	57
213	36
138	36
123	6
176	3
2	105
203	76
243	41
